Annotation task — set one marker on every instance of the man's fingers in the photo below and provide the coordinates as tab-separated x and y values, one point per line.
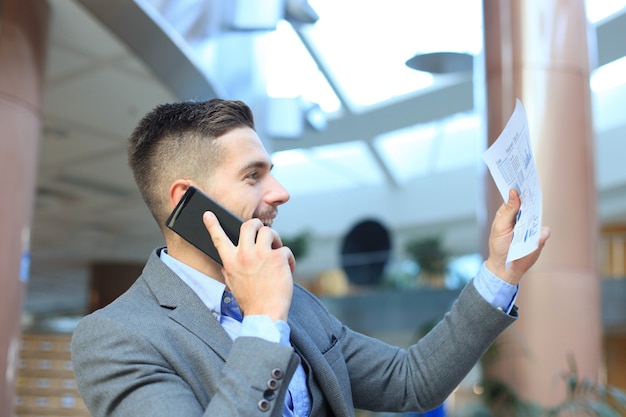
218	236
253	233
266	236
249	231
292	261
544	235
269	237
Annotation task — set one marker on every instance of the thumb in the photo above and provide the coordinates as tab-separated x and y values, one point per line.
508	211
513	204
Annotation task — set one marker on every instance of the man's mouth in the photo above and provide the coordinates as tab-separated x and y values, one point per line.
268	218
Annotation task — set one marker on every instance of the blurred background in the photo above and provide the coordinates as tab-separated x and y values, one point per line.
374	113
356	134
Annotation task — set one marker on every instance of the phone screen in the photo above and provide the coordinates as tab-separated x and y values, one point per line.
186	221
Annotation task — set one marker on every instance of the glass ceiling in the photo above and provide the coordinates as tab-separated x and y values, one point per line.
353	58
368	67
366	41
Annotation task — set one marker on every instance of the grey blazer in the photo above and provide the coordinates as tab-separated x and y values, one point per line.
158	351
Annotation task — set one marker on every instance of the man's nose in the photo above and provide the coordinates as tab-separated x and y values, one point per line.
278	194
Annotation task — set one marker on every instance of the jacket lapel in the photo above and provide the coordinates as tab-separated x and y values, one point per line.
185	307
327	384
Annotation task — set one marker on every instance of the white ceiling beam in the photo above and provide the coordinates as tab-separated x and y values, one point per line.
138	25
428	106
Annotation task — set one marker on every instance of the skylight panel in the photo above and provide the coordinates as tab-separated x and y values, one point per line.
291	71
366	43
459	143
352	159
326	168
408	152
598	10
609	76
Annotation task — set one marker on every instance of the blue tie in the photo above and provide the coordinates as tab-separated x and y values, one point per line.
230	308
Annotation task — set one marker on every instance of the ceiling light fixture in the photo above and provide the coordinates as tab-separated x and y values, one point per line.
442	62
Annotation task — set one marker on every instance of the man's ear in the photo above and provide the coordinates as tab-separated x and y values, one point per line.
177	190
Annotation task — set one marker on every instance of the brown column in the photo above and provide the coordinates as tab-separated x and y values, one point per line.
108	280
23	30
536	50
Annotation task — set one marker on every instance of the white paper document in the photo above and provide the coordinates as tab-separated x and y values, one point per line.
512	165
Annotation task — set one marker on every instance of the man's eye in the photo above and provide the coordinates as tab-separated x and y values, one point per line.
254	175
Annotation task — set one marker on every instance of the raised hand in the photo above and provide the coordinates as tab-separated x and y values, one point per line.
258	270
500	241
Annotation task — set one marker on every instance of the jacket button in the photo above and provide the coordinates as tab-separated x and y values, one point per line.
269	395
264	405
273	384
277	373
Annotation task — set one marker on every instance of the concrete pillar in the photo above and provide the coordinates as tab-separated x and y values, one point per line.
23	32
537	51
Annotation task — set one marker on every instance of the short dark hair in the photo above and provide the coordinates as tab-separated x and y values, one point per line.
176	141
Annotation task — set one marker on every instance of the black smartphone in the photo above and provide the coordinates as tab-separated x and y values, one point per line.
186	221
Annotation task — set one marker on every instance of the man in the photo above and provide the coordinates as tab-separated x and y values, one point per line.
193	338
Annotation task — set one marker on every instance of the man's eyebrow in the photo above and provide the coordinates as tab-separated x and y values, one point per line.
259	165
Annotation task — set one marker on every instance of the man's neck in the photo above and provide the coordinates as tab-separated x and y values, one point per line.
193	257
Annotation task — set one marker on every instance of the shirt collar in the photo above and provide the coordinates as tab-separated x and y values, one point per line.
208	289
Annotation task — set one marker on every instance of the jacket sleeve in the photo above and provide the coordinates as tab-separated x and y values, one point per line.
422	376
120	373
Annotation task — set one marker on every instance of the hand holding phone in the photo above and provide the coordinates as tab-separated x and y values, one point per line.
262	286
186	221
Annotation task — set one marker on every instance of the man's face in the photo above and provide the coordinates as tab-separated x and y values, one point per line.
242	182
